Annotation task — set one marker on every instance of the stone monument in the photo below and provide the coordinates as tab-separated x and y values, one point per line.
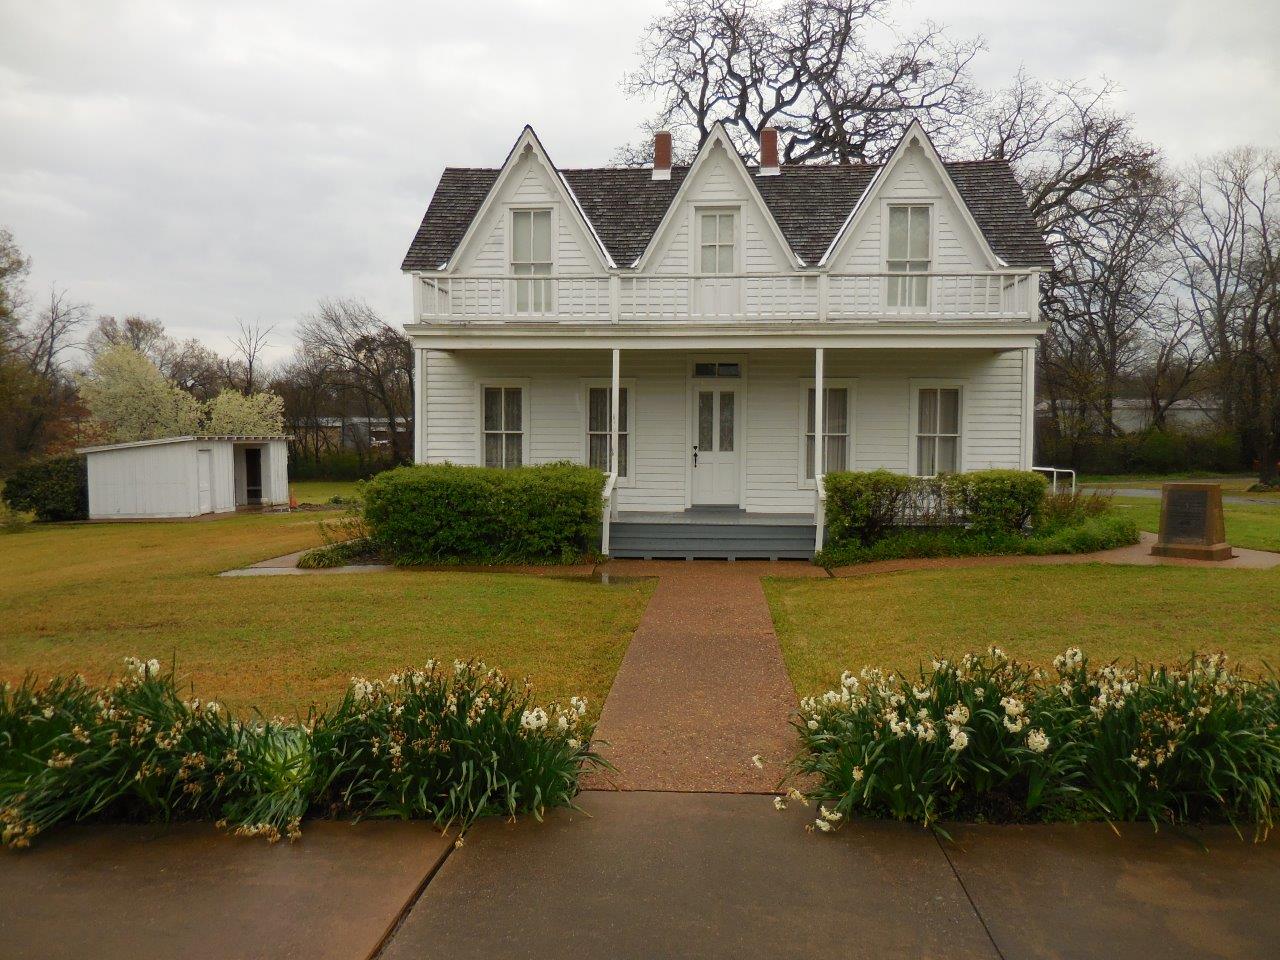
1191	524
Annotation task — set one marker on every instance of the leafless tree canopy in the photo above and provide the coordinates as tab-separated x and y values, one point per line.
809	68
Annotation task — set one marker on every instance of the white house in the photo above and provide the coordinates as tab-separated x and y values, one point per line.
675	326
186	476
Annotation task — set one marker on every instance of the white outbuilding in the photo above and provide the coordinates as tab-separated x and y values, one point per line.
186	476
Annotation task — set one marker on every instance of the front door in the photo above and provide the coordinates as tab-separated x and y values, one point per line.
715	448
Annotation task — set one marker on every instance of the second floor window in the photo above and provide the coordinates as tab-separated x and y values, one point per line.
717	240
531	255
908	253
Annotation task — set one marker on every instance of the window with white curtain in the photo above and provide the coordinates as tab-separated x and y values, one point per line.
908	253
599	407
531	254
937	431
835	449
717	240
503	426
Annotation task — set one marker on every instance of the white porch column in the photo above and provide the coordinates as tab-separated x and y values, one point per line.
615	390
419	406
1029	408
819	408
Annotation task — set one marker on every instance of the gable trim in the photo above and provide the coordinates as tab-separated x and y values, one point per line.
915	132
528	139
718	136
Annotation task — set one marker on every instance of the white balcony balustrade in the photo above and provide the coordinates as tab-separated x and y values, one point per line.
818	297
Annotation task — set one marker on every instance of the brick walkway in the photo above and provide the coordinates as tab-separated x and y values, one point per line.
702	688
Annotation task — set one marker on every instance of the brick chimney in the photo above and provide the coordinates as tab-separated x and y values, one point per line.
662	155
768	152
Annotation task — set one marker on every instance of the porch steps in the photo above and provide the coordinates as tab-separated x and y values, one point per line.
784	539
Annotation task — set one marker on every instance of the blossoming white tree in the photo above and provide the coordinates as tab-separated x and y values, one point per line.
132	400
258	414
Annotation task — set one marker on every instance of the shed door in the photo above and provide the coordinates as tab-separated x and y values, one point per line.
204	479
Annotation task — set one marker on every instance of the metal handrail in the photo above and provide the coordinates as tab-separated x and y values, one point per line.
1053	476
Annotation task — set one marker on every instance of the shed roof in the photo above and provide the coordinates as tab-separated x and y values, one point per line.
239	438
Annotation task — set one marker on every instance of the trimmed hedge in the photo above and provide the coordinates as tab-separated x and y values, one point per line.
863	507
54	489
455	514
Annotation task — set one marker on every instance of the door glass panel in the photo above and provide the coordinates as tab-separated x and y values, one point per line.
704	369
728	370
726	421
706	419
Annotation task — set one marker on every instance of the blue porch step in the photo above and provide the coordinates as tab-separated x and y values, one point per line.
730	536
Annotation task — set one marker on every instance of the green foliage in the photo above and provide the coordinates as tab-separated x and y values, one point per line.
996	501
336	465
255	415
53	489
447	513
1151	451
863	506
446	744
883	516
1087	536
992	738
359	550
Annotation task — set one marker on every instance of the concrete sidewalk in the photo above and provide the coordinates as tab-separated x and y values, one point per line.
649	875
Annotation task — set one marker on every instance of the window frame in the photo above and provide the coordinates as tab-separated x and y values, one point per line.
913	424
629	429
888	204
513	296
851	385
526	445
717	210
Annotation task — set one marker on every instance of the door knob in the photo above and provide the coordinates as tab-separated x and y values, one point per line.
695	456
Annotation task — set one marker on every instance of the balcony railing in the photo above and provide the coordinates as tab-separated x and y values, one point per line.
1007	295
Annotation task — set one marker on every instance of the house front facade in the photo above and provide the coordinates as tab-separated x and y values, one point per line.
716	337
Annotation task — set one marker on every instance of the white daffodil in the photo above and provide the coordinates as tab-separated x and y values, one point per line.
1037	741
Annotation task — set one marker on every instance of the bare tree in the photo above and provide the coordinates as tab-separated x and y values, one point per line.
805	67
373	357
1229	251
248	345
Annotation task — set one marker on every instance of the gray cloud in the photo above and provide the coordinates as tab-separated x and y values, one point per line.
201	162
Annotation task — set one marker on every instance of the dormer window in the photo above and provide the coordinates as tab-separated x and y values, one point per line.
531	254
908	249
717	239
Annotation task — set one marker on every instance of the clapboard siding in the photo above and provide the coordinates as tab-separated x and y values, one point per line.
775	390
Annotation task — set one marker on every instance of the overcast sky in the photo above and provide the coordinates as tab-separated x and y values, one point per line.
203	162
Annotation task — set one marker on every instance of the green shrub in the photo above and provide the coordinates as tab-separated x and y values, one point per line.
447	513
863	506
360	550
445	744
1089	535
996	501
53	489
1070	508
1150	451
992	738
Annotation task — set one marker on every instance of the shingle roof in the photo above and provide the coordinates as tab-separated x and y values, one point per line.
810	204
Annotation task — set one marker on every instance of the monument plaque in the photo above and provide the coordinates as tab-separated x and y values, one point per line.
1191	524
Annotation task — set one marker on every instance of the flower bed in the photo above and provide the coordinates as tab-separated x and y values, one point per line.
992	738
449	745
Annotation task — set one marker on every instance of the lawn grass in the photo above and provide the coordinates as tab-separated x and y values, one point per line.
322	491
1032	612
1255	526
80	597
